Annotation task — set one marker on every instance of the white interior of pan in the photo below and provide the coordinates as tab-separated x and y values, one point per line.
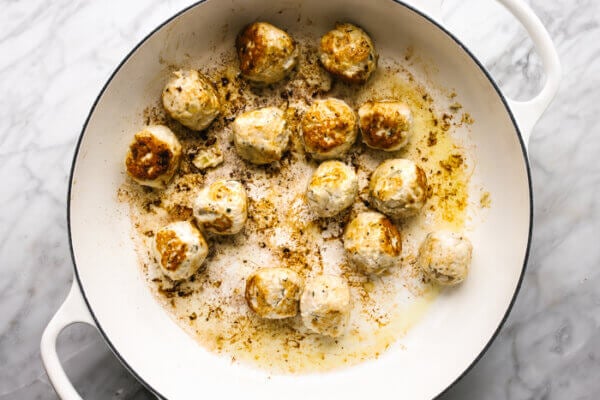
435	352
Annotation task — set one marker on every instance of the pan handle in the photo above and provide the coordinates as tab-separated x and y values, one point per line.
71	311
528	112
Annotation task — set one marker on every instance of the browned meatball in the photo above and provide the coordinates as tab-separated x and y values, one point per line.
398	188
274	293
329	128
267	54
153	156
385	125
348	53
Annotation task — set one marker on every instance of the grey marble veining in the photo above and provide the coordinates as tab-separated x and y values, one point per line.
55	57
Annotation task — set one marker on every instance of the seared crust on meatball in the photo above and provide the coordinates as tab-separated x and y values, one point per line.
329	128
222	207
348	53
274	293
398	188
372	242
267	54
153	156
180	249
149	157
385	125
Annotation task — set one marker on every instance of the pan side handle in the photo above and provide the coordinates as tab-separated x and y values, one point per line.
527	113
72	310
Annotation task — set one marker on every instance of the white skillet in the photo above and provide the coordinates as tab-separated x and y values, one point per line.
109	292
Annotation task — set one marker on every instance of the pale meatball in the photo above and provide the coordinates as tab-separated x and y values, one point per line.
222	207
332	188
398	188
348	53
261	136
445	257
372	243
329	128
191	99
385	125
153	156
325	305
274	293
267	54
180	250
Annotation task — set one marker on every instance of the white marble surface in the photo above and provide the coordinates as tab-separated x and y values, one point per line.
54	58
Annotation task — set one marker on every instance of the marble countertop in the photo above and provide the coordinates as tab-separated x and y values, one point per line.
56	56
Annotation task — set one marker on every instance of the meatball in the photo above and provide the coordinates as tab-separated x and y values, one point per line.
153	156
325	305
445	257
348	53
372	243
274	292
180	249
385	125
329	128
267	54
261	136
222	207
190	98
332	188
398	188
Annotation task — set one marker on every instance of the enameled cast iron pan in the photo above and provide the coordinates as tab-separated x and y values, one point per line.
108	291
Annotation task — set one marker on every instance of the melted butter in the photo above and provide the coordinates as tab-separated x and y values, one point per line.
278	347
431	144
